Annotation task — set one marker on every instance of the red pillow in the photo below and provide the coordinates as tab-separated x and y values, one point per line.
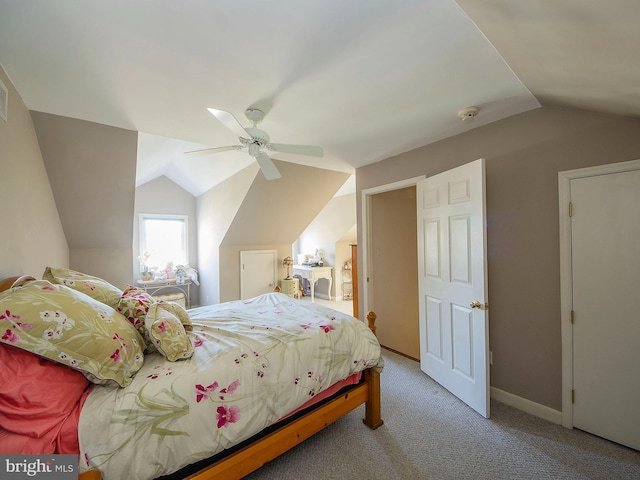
36	395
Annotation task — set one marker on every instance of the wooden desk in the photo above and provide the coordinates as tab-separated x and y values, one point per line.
313	274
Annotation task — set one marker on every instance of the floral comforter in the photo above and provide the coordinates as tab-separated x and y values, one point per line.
254	362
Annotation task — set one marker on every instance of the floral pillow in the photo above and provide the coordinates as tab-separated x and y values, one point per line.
134	304
167	333
95	287
69	327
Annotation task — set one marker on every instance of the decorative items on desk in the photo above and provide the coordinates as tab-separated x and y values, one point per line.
181	274
316	260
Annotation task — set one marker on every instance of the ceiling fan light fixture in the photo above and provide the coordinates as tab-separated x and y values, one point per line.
468	114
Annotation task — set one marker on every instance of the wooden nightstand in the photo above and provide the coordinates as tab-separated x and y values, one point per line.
291	287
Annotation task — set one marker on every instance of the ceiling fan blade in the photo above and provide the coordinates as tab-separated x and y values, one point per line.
209	151
307	150
267	166
229	121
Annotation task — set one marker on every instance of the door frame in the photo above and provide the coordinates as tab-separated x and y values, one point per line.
367	290
566	283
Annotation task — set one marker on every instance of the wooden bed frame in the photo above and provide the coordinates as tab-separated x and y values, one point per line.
259	452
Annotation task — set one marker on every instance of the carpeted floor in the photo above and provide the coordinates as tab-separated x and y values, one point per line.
430	434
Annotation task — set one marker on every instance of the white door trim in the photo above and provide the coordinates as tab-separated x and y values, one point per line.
367	295
566	284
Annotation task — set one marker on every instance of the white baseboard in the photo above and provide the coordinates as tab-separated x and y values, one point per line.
532	408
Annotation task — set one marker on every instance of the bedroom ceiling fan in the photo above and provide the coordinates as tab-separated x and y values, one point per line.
258	140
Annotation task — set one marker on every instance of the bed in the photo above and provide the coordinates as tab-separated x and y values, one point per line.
214	392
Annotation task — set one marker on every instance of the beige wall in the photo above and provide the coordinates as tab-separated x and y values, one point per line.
91	169
32	234
524	154
162	195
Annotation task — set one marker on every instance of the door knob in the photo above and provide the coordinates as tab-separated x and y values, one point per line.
477	304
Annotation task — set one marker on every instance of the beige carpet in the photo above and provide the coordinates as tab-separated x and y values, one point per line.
430	434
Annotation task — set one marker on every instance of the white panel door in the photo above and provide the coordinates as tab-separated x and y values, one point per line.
454	328
258	272
605	238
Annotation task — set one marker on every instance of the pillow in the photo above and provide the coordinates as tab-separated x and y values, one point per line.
95	287
167	333
134	304
24	377
69	327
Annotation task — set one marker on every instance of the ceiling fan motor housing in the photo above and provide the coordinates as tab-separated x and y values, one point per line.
258	136
254	115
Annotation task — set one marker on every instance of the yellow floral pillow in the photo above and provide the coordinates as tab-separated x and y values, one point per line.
135	304
95	287
69	327
167	333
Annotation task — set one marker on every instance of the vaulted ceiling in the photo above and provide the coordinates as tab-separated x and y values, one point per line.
365	79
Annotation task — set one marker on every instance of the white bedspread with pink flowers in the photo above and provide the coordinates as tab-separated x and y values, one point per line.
254	362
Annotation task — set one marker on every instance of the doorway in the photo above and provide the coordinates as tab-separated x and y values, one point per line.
600	258
393	252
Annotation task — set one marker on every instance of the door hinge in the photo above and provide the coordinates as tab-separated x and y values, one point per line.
573	396
572	317
570	209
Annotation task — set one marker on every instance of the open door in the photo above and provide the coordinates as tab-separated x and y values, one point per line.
452	269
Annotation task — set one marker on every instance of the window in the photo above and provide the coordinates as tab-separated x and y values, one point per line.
165	238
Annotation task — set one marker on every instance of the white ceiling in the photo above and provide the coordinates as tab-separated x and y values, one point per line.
365	79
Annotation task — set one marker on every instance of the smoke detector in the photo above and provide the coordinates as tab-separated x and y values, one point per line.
468	114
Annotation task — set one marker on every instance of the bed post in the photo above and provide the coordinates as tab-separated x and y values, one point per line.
371	318
372	416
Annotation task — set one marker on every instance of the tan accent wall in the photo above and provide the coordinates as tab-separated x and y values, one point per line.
91	169
524	154
32	233
278	211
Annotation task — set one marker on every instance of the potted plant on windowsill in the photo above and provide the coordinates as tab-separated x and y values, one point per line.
145	275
